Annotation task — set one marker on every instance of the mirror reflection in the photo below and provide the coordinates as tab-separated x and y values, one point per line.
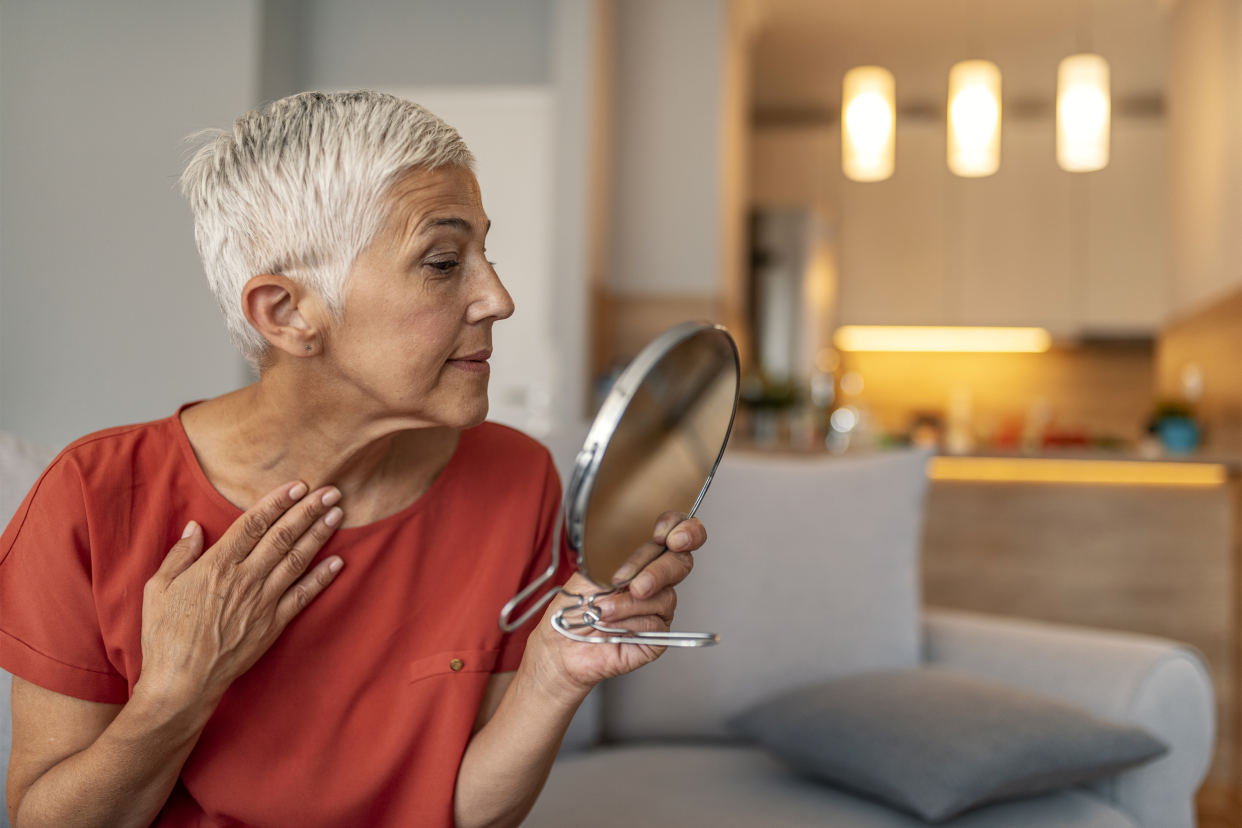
661	455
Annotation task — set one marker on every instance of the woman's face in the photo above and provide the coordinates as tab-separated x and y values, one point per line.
419	305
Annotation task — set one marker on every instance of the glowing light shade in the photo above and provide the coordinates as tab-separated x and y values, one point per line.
929	338
974	118
1083	113
868	123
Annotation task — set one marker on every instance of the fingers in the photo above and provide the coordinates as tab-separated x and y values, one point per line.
665	524
251	528
686	536
682	537
674	531
293	525
625	605
665	571
282	569
183	554
298	596
642	556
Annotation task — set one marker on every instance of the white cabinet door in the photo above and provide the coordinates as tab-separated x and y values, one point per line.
1031	245
1127	265
1016	232
894	235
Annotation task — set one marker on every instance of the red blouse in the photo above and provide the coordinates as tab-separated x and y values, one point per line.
354	716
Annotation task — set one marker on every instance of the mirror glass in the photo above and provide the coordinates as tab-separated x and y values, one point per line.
653	449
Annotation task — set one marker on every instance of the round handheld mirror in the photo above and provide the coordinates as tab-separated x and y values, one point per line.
653	448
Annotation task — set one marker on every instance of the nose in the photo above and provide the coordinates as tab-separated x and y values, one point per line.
494	301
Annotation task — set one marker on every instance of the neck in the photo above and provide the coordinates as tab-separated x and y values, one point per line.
277	430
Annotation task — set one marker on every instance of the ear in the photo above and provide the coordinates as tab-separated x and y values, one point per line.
286	313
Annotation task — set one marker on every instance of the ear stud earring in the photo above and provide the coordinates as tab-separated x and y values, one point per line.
308	347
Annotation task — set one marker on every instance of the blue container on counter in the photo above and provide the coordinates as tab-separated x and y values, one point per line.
1178	435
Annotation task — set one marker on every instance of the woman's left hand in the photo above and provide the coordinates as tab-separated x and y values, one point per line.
648	606
524	716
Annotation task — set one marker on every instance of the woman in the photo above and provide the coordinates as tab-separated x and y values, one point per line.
278	607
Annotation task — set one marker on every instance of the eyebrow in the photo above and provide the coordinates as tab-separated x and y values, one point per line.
456	223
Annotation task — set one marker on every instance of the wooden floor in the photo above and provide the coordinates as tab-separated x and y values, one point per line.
1219	807
1155	560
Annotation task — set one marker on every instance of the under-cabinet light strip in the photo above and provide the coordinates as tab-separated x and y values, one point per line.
929	338
1050	470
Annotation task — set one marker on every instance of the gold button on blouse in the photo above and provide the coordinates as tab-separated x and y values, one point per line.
456	664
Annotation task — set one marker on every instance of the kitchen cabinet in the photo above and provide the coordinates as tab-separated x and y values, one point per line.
1079	254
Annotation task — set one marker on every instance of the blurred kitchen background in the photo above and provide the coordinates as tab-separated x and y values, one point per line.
1033	267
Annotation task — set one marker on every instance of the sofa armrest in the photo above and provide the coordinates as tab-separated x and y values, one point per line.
1154	683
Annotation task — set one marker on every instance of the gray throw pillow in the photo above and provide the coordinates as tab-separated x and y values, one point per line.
936	742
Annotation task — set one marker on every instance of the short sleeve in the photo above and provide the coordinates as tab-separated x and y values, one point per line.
49	626
513	645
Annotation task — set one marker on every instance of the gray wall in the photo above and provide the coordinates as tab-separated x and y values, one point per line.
105	316
399	42
320	44
669	116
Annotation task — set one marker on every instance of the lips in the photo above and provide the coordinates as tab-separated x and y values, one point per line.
475	363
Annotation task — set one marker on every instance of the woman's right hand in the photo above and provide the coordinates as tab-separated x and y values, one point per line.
208	616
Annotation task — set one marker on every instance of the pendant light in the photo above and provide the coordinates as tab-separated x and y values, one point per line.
974	118
868	123
1083	113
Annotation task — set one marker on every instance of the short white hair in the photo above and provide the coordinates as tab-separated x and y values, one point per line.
299	187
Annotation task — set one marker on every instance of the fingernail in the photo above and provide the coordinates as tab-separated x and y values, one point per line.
331	496
624	573
298	491
607	607
333	517
189	530
678	540
335	566
642	585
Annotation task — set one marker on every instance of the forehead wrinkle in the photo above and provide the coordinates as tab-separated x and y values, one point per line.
412	213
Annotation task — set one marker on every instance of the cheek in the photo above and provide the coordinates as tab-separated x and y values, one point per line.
412	346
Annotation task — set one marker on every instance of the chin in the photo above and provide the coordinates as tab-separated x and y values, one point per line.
468	414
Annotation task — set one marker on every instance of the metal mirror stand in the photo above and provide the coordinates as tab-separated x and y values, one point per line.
591	617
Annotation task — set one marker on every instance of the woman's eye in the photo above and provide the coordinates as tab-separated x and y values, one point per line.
445	266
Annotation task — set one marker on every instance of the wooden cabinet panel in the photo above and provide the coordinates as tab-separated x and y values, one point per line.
1148	559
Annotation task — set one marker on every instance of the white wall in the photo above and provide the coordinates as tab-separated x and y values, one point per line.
510	131
105	315
668	138
576	43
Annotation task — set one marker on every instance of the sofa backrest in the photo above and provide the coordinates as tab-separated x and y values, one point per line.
810	572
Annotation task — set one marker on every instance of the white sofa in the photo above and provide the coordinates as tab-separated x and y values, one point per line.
810	572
